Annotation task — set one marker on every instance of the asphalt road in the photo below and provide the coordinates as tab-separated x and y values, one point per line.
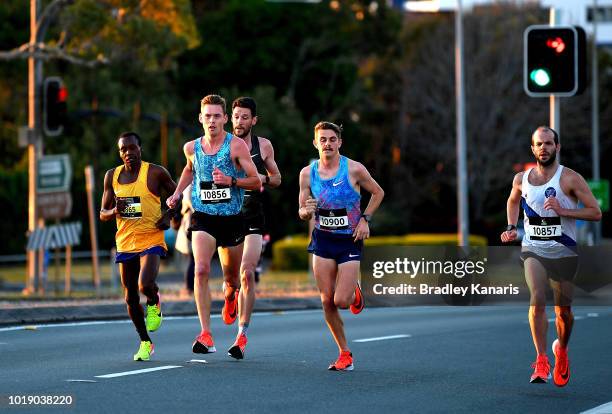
450	359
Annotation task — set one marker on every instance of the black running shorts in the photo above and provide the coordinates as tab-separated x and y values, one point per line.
228	231
339	247
560	269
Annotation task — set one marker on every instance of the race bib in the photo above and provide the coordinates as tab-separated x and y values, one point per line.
335	219
544	228
133	208
211	193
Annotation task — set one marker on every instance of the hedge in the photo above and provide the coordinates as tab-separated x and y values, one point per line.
290	253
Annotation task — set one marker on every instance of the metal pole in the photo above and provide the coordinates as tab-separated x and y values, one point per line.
595	112
68	273
89	186
34	141
555	103
462	181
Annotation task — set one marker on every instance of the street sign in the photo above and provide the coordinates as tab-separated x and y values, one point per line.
601	191
54	205
54	174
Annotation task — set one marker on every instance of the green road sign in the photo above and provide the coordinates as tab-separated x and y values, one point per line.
601	191
54	174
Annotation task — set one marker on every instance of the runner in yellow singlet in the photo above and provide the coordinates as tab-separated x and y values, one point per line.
132	197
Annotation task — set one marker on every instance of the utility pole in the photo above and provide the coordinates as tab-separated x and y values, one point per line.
462	173
35	149
595	114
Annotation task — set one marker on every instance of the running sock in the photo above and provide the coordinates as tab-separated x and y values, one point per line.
242	329
154	302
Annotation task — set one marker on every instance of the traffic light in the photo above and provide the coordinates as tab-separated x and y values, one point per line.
554	61
54	106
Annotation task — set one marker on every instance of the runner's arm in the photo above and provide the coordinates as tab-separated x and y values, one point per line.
240	152
108	209
167	186
513	207
307	204
365	181
186	176
274	175
591	210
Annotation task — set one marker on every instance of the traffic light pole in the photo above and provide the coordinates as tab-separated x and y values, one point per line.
595	112
555	101
34	140
462	175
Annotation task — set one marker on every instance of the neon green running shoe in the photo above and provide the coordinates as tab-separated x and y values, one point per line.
145	351
154	315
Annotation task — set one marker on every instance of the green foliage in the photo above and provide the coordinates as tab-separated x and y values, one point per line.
291	253
148	35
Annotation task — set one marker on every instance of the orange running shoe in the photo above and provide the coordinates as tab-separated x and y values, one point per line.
343	363
230	309
561	373
359	303
541	373
203	344
237	350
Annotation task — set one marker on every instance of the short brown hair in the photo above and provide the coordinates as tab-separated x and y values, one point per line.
545	128
213	100
329	125
246	102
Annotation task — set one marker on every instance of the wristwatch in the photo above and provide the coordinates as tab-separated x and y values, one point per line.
367	217
510	227
234	181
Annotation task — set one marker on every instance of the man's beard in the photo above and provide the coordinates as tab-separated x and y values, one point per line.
245	132
551	159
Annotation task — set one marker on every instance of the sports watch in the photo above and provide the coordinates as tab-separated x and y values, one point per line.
367	217
510	227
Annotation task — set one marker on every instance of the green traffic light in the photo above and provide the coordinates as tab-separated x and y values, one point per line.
540	77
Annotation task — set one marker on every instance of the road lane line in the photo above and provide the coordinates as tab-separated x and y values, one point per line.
382	338
138	371
602	409
121	321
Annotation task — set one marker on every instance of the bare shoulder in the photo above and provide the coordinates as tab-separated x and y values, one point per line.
109	174
265	143
189	147
518	179
237	143
158	169
569	173
356	168
305	173
570	176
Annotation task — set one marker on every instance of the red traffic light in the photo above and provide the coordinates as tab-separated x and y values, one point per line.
557	44
62	94
55	95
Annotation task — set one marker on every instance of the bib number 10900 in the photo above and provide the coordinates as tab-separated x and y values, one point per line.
333	219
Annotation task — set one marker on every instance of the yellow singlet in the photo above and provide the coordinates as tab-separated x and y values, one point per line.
136	229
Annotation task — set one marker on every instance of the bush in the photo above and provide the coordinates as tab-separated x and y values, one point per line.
290	253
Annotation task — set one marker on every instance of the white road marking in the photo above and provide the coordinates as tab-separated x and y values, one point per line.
111	322
79	380
198	361
592	315
382	338
138	371
602	409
